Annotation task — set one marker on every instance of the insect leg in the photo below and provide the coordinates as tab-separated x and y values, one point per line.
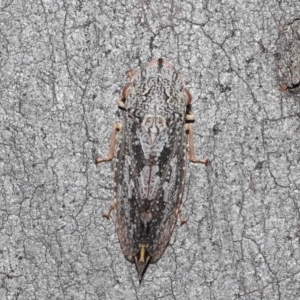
189	117
111	207
117	127
181	218
193	159
129	73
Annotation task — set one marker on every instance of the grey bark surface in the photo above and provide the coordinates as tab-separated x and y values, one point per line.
62	67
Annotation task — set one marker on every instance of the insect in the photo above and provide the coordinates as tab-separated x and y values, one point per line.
150	161
287	57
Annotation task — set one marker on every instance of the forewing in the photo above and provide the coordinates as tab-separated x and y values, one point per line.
127	197
171	190
147	209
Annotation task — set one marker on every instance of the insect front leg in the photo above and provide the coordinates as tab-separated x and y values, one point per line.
193	159
117	127
126	90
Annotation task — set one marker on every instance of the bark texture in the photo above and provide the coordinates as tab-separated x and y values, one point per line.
62	67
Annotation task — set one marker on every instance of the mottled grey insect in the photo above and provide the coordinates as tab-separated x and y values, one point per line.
288	58
150	161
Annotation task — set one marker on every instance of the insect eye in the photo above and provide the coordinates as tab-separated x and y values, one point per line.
125	92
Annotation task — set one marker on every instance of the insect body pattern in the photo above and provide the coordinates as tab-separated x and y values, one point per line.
150	161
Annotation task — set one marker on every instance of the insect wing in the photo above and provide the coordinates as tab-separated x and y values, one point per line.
149	188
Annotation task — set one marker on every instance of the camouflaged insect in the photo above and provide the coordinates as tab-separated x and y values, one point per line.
288	58
150	161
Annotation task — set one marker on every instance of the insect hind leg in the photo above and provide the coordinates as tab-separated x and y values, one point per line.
193	159
111	207
116	127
